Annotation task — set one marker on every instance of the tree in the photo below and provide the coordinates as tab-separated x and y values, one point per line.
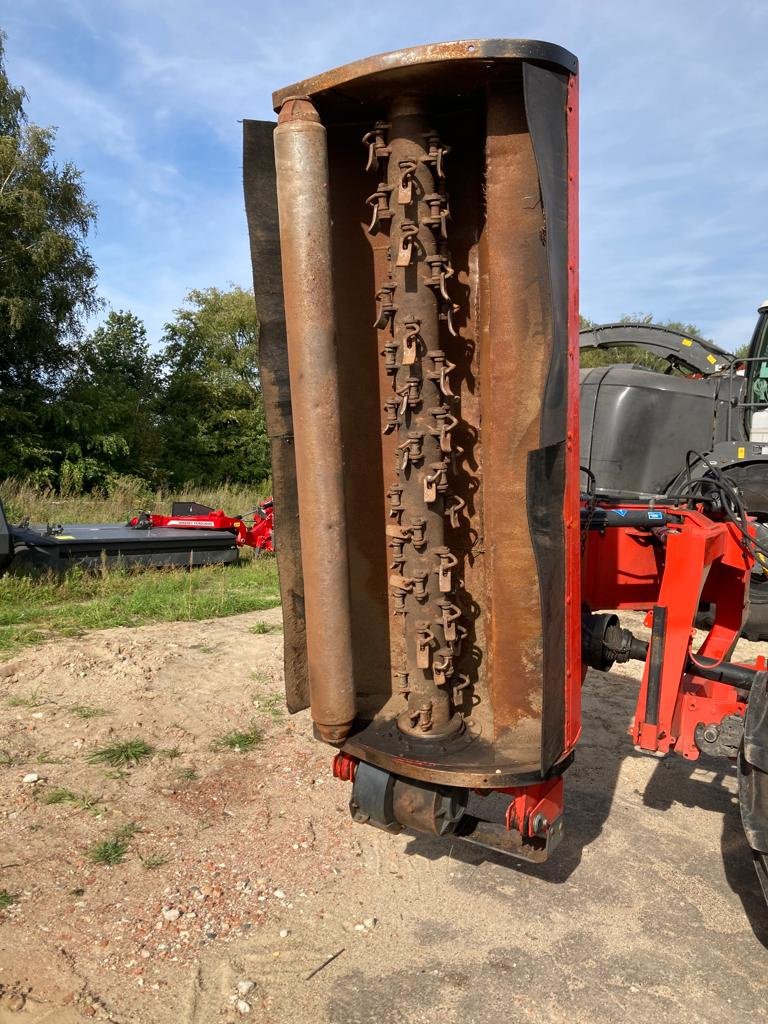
213	417
634	353
107	413
47	278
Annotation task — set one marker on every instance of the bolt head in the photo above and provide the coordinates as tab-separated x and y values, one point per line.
540	823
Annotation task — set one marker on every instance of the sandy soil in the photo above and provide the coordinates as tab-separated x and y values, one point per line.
246	870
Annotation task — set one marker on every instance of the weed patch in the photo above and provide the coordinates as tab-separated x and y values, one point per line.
7	899
122	755
153	861
60	795
260	628
45	757
86	711
241	741
112	851
272	705
34	700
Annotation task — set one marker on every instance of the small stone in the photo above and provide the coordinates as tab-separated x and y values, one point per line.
245	987
171	913
279	894
359	927
369	922
31	777
242	1007
284	933
16	1002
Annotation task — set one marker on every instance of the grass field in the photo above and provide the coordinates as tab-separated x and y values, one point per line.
36	606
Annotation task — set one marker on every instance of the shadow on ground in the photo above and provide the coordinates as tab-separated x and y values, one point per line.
591	783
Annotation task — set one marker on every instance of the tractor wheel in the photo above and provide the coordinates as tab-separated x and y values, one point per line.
752	770
752	482
756	626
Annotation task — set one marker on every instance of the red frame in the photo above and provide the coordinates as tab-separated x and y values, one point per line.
258	535
675	568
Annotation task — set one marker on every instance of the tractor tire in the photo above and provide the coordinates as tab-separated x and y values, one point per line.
756	626
752	482
752	771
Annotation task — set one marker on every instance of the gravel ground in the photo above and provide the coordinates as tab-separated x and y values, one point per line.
242	873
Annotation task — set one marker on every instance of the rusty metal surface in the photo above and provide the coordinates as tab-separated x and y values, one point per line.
367	453
515	351
364	76
419	413
261	210
426	808
441	318
302	193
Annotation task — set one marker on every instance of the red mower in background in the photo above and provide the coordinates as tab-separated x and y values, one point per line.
190	515
192	535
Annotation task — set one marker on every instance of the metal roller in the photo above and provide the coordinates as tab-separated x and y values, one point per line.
301	160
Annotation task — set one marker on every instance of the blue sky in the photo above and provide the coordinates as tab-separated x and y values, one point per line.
674	142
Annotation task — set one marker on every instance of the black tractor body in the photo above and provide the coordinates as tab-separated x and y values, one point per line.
638	424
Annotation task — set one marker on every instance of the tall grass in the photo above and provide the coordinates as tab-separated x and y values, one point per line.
126	496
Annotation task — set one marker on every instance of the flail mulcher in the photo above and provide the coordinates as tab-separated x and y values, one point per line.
442	574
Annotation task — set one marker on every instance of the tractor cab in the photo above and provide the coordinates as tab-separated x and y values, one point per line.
639	422
756	369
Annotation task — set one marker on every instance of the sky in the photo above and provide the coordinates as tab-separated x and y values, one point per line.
148	98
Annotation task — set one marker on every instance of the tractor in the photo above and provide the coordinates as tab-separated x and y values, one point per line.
638	425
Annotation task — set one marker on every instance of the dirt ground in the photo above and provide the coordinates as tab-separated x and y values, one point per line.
244	873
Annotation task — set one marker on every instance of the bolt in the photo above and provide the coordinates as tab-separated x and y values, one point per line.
540	824
711	733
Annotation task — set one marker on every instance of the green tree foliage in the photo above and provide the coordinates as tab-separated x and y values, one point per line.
80	413
107	414
634	353
47	279
212	417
